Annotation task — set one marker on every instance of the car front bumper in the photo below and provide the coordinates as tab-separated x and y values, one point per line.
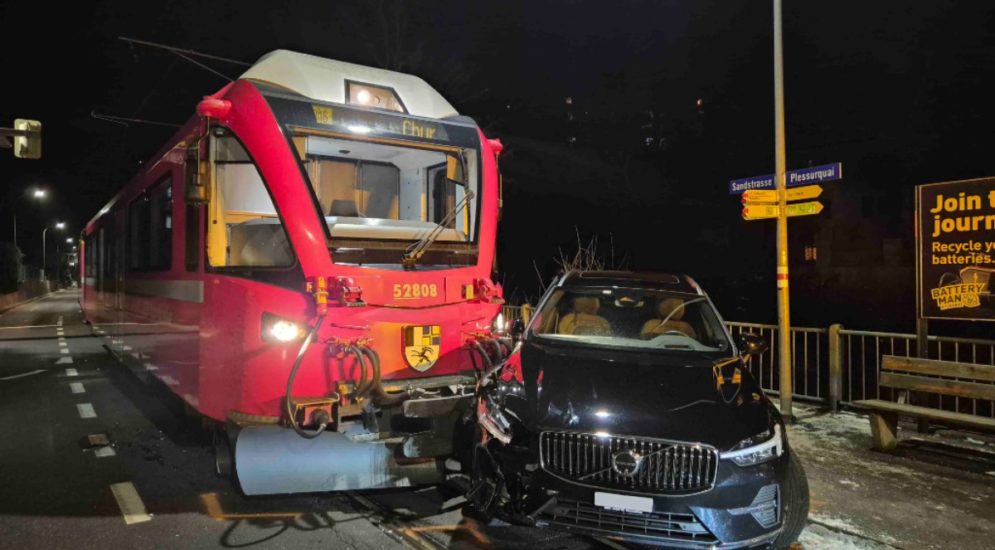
743	509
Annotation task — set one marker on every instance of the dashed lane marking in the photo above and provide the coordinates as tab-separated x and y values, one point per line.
77	387
22	375
72	372
63	344
64	361
131	505
60	321
104	452
86	410
64	350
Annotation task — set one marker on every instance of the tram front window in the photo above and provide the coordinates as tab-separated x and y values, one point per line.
378	199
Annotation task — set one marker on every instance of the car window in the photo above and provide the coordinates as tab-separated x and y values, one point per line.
634	318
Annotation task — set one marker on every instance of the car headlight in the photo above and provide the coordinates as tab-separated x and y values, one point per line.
277	330
758	449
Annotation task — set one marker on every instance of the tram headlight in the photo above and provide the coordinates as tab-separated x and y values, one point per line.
277	330
499	325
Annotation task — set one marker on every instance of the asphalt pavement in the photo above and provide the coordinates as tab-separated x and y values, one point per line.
92	455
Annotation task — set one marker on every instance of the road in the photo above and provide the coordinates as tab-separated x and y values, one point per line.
92	455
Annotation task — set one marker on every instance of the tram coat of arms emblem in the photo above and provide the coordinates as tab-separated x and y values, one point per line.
422	345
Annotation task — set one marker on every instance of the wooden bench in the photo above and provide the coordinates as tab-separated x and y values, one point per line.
910	374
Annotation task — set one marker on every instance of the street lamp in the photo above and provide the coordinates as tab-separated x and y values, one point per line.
39	195
58	225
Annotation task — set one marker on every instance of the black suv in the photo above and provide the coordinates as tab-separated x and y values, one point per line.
626	411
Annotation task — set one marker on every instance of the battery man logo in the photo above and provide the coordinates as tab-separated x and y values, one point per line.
421	346
958	295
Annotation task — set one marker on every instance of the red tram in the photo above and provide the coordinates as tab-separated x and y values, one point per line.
308	263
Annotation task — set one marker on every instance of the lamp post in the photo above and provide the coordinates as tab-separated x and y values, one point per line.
58	225
37	194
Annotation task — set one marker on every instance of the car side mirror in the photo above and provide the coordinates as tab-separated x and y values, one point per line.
751	344
517	329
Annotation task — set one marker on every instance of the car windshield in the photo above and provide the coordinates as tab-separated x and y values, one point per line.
631	318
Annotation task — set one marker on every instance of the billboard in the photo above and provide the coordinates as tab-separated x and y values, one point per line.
955	239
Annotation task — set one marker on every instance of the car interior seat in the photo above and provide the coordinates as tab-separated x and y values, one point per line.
670	311
584	318
345	208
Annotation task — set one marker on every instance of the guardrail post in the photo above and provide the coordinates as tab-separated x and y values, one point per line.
835	366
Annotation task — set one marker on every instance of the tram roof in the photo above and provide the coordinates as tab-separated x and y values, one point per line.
325	80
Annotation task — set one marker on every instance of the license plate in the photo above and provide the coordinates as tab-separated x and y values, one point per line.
625	503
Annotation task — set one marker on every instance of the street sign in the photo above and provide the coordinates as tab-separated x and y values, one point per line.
794	178
759	211
763	211
804	193
754	196
804	208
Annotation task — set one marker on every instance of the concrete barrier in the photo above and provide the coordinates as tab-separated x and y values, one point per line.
29	291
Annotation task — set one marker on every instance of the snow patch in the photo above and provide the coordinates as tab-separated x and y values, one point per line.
818	537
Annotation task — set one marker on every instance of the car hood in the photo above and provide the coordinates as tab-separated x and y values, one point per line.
676	396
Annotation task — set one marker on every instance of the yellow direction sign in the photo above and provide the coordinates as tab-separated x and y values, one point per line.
804	193
755	211
759	196
759	211
804	208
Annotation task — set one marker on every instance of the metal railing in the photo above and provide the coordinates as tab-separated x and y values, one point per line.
839	366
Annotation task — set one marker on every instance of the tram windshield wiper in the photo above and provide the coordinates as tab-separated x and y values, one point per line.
416	250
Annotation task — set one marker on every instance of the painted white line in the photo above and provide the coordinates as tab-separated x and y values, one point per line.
117	341
71	372
104	452
60	332
27	326
132	507
86	410
62	338
63	344
77	387
96	440
126	348
60	321
64	350
64	361
22	375
150	366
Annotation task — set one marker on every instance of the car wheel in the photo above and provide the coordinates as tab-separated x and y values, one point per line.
795	499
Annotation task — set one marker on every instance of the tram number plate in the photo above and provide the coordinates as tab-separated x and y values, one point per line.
415	291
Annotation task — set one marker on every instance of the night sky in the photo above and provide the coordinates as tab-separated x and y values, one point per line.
900	92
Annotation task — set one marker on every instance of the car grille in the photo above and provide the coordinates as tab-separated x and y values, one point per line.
678	527
665	467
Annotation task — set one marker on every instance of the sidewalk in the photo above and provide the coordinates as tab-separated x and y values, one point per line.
937	491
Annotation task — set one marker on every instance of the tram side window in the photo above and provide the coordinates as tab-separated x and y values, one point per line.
150	228
243	226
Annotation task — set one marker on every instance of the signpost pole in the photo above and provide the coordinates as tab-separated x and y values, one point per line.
783	295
